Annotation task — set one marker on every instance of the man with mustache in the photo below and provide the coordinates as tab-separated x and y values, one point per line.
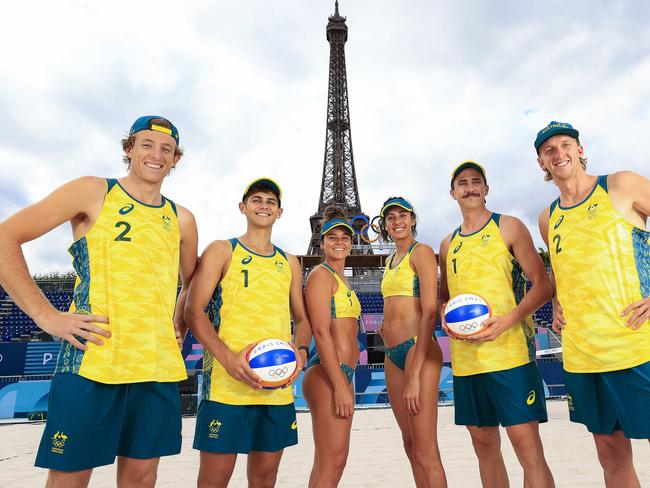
496	380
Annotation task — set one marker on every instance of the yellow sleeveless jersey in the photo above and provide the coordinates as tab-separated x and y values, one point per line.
481	263
601	265
344	303
127	270
400	280
250	304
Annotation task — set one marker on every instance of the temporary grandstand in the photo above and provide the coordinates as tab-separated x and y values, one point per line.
29	355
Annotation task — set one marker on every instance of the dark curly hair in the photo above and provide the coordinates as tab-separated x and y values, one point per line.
333	212
382	221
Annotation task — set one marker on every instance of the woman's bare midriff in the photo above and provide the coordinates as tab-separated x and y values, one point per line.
401	319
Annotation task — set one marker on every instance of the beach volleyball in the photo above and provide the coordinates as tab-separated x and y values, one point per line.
274	361
465	314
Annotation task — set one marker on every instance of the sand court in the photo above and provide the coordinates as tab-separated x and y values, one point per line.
376	456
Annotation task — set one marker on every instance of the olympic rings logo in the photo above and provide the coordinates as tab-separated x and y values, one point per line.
279	372
468	327
368	225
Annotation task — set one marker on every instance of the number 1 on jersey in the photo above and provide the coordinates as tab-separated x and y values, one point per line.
245	271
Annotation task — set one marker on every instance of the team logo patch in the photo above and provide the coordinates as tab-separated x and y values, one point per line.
569	401
126	208
247	260
279	265
531	398
591	210
213	429
58	442
558	222
294	425
457	248
485	239
167	222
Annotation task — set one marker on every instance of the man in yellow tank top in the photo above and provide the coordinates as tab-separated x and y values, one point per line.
252	289
598	243
496	380
115	390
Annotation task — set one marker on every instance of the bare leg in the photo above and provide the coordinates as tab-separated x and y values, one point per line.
530	452
262	468
215	469
395	387
136	473
615	456
487	445
424	425
331	432
68	479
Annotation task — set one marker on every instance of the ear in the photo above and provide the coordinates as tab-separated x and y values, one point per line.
451	192
177	158
581	151
541	163
242	207
487	189
280	212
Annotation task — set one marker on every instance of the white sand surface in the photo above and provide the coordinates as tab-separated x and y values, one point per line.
376	456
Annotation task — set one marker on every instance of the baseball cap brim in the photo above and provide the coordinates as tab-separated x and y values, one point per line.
396	202
467	165
146	123
554	129
268	183
331	224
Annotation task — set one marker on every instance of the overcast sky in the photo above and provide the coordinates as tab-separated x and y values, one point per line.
431	83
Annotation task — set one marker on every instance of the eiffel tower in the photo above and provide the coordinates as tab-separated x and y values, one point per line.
339	184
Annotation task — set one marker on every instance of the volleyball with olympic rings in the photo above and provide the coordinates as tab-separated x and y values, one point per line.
274	361
465	314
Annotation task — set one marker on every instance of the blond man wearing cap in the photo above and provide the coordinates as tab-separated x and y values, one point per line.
252	289
496	380
599	246
115	388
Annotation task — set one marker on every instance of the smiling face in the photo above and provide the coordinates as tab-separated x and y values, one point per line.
261	208
152	155
469	189
399	223
561	157
337	244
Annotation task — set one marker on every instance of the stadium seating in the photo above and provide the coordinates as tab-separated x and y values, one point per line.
16	325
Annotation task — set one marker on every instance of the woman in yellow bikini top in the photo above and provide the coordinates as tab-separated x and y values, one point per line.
334	311
412	367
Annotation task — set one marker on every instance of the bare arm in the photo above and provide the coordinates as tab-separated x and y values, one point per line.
423	262
302	330
518	239
630	194
79	202
558	315
212	266
187	265
319	291
444	287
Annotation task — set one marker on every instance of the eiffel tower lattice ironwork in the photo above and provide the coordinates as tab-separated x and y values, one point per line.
339	184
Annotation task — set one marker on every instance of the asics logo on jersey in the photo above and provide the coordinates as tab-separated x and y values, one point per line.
460	244
559	221
531	398
247	260
126	208
279	372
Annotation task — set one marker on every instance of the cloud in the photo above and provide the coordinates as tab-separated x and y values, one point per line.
430	84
